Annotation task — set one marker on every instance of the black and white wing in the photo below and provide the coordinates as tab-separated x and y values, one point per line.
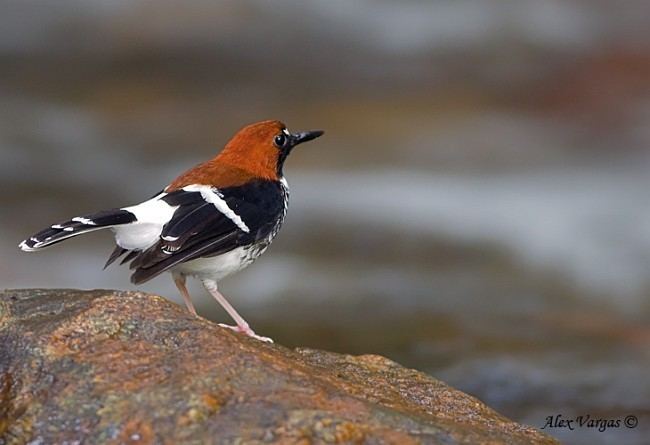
207	222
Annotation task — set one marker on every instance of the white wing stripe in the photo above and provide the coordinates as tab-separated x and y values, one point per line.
212	195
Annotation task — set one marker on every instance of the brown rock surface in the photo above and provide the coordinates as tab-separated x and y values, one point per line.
126	367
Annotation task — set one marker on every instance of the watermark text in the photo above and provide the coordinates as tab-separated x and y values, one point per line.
589	421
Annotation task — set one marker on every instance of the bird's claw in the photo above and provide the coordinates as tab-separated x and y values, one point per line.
247	331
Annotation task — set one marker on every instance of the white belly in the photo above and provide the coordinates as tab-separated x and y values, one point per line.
218	267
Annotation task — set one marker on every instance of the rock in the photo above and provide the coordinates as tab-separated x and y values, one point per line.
127	367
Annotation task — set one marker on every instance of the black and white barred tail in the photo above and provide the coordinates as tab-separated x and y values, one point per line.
76	226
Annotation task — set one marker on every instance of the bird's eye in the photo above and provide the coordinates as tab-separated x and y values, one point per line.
280	140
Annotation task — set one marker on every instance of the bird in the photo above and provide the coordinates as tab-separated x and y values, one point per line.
211	221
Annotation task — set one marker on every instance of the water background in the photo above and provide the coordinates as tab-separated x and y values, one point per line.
478	208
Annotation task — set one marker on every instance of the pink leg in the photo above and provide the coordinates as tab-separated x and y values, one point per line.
242	326
179	280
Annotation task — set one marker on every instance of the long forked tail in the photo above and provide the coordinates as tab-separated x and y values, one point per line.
76	226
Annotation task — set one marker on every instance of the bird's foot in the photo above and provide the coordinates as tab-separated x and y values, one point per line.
248	331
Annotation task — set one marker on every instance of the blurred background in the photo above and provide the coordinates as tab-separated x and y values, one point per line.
478	208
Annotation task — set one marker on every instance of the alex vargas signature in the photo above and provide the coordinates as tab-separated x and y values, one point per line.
586	421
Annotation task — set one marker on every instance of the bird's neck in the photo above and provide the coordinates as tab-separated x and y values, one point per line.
261	167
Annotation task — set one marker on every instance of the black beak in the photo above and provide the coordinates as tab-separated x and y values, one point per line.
299	138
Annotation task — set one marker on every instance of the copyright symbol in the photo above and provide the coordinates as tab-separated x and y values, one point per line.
631	421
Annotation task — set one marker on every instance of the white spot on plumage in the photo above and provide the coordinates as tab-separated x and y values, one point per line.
68	229
83	220
57	226
212	195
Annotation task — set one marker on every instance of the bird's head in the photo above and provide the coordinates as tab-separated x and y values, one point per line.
262	148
